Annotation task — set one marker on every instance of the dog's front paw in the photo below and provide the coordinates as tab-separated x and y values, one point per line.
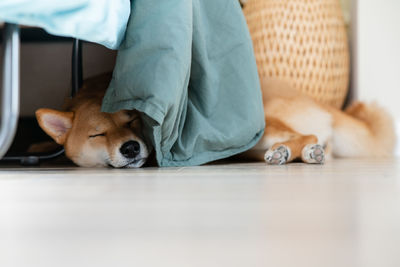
277	156
313	153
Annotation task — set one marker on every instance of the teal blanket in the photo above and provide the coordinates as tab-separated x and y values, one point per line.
100	21
189	66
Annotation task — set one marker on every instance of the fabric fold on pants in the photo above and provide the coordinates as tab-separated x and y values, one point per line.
189	67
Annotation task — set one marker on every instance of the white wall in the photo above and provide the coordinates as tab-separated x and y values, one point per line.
377	53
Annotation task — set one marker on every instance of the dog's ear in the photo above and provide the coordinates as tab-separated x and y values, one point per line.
55	123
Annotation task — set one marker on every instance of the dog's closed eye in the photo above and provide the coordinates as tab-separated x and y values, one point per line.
97	135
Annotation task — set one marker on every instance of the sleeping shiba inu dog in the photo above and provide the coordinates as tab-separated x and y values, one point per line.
298	128
92	138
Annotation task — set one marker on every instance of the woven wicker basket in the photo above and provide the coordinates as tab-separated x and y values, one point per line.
303	42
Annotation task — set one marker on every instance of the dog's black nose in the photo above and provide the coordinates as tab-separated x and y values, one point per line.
130	149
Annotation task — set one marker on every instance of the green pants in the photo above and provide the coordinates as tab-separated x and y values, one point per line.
189	66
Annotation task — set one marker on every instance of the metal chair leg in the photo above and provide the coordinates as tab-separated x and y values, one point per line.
77	80
10	91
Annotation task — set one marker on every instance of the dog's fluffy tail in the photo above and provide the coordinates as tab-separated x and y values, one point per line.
364	130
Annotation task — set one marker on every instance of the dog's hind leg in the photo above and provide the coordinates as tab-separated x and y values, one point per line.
281	144
302	147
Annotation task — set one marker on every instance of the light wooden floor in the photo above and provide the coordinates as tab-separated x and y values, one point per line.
345	213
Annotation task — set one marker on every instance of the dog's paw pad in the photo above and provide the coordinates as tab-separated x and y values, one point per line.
313	153
277	156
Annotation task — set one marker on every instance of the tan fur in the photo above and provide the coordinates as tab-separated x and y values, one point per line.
90	137
295	121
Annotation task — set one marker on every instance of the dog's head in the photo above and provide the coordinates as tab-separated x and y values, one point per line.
92	138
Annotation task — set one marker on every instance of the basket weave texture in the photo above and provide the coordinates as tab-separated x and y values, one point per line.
304	43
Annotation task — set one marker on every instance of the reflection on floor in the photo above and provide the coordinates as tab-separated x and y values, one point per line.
345	213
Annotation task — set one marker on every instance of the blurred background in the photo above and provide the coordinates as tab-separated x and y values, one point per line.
376	54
